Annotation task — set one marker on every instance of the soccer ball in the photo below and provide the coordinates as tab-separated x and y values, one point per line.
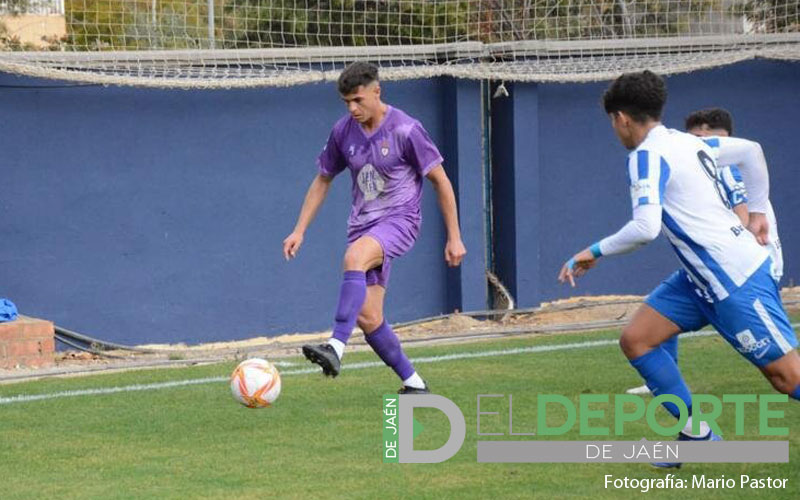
256	383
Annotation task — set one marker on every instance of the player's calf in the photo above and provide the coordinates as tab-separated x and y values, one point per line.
352	294
641	342
387	346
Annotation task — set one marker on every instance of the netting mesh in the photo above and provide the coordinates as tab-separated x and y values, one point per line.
235	43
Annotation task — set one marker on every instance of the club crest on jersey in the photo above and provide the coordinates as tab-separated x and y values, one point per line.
385	148
351	150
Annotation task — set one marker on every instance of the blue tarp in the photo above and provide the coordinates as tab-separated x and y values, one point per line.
8	311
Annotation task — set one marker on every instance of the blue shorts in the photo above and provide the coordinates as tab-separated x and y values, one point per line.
751	319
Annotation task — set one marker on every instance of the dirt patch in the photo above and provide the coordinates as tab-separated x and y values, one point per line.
566	311
578	310
570	311
289	338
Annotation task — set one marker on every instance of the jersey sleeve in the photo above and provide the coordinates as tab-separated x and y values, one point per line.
749	158
644	227
420	151
735	189
330	161
648	174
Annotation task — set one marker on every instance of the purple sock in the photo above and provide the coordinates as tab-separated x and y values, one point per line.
796	393
351	300
386	345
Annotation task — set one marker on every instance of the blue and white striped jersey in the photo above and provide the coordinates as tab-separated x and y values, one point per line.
678	172
730	175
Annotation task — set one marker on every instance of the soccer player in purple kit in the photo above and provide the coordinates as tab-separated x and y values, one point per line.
388	154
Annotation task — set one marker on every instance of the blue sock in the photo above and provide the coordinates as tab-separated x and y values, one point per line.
796	393
671	346
662	376
351	300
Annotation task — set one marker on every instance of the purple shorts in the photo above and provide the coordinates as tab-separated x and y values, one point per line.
396	235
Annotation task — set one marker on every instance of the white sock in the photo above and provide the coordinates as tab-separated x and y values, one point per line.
704	429
414	381
338	346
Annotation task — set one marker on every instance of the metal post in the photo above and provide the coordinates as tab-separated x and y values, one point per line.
211	23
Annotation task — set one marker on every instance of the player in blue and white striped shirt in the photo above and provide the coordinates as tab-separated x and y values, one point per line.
725	276
715	126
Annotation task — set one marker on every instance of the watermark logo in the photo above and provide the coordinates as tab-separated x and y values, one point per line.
594	415
400	428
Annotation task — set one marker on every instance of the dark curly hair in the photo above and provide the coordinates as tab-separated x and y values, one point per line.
357	74
713	117
639	95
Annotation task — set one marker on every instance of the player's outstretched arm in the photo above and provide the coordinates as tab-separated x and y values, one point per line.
315	195
642	229
454	250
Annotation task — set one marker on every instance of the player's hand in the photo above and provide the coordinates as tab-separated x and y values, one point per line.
759	226
454	252
577	266
291	245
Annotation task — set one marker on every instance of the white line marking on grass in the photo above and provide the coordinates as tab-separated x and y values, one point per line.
26	398
22	398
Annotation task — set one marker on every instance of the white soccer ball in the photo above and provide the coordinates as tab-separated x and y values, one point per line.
256	383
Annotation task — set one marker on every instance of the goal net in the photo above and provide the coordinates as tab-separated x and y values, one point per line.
246	43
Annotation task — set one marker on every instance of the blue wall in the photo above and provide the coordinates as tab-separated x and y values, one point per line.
139	215
142	215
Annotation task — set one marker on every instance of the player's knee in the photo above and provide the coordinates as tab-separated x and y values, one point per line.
628	342
784	374
780	384
785	383
369	321
625	346
353	260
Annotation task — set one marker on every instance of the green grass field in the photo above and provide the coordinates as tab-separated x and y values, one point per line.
323	437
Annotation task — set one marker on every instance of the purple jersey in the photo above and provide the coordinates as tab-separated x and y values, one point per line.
387	167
